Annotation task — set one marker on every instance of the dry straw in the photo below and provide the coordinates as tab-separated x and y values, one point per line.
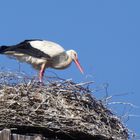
61	107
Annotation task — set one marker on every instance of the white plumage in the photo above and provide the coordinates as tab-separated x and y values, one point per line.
47	47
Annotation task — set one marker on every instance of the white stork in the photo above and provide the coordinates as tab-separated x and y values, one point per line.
42	54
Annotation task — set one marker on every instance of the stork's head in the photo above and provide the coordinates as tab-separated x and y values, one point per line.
74	57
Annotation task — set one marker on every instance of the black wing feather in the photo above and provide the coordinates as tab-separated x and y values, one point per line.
3	49
25	48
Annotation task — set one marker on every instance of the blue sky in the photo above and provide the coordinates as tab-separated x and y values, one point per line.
106	35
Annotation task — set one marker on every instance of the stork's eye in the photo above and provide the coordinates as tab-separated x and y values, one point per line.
75	55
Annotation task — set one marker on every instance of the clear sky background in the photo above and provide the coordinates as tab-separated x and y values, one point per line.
105	33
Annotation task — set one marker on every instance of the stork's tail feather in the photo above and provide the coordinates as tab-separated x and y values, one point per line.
3	49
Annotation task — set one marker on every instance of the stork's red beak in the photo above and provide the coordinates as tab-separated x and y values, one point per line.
79	66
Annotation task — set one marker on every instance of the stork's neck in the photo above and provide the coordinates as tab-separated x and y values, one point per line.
62	61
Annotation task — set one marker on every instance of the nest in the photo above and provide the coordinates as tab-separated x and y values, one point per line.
59	107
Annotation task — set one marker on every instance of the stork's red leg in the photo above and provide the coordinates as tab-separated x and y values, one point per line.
41	73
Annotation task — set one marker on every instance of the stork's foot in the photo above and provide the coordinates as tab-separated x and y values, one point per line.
40	84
